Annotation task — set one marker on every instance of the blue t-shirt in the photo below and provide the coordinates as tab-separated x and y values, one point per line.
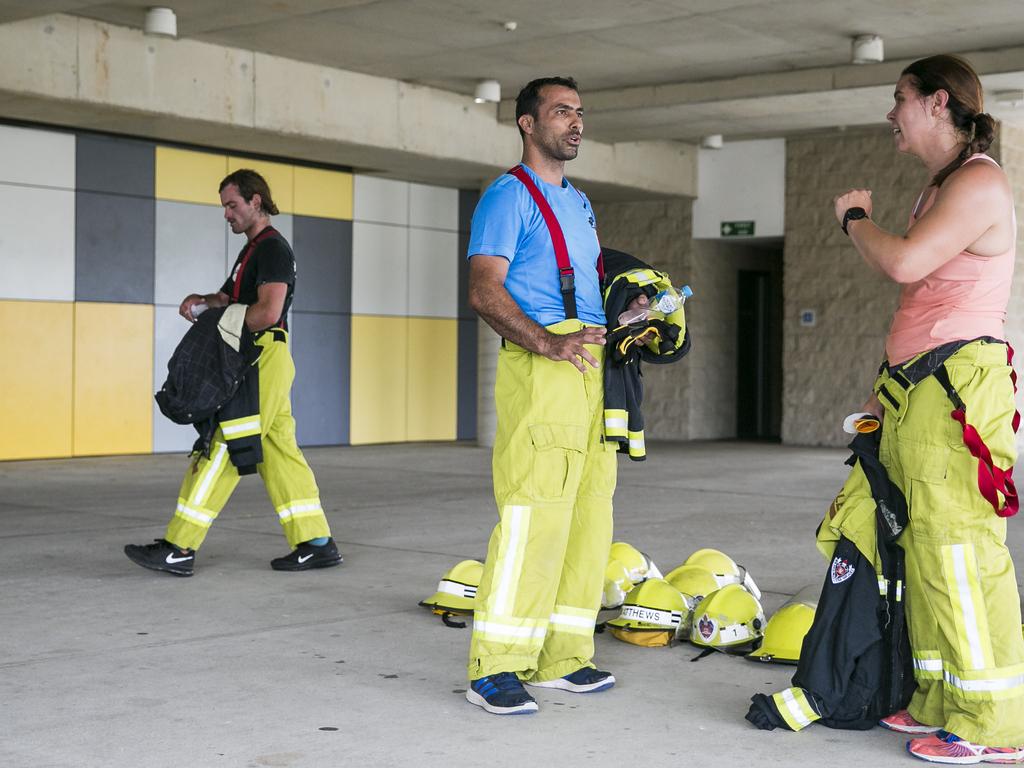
507	222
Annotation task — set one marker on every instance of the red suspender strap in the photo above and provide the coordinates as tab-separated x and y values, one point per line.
992	480
237	286
566	275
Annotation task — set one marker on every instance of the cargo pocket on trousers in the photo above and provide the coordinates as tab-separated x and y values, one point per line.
558	451
926	462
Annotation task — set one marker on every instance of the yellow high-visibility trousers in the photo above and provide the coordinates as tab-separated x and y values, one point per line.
554	476
963	606
290	484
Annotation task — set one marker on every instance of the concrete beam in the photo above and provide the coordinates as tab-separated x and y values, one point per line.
724	104
87	74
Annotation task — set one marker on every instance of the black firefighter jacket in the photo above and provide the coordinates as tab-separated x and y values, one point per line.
209	383
855	661
626	278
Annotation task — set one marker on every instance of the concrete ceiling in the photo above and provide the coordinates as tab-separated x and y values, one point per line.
649	69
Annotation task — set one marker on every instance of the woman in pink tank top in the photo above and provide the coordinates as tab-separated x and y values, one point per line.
946	356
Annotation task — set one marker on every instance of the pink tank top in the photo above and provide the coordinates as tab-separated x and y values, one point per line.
963	299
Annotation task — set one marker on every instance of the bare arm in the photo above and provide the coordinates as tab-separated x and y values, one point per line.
969	213
212	300
490	300
268	307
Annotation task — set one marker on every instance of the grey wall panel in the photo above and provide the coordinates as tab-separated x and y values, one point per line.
114	248
321	346
115	165
191	250
323	258
467	380
465	312
467	204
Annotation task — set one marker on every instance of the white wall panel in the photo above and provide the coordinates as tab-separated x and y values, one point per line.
380	268
380	200
168	328
190	250
37	243
433	207
31	156
742	181
433	273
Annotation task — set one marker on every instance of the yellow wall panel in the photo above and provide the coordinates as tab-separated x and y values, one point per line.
113	410
433	379
378	383
323	193
279	176
35	385
188	176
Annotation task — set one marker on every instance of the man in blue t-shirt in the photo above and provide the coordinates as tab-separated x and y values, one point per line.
554	475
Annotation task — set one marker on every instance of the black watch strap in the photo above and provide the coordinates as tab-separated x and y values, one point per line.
853	214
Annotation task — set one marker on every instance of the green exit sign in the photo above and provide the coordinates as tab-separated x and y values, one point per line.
737	229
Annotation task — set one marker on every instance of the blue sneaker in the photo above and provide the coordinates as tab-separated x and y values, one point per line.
501	694
585	680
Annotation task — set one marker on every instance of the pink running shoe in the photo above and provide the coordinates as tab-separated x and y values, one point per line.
902	722
944	747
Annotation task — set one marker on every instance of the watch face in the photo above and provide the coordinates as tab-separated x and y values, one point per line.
853	214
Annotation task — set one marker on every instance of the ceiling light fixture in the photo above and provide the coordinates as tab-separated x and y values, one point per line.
712	141
510	26
487	90
866	49
160	22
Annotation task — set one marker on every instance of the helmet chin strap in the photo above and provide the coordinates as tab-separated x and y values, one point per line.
448	622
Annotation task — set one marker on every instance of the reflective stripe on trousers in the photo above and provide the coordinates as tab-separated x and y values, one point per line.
553	483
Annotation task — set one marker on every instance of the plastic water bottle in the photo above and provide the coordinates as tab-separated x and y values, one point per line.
198	309
660	305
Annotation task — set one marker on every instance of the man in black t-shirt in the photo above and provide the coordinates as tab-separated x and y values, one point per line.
263	279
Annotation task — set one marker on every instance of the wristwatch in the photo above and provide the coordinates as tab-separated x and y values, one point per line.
853	214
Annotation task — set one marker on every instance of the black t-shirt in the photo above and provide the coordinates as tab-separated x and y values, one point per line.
271	261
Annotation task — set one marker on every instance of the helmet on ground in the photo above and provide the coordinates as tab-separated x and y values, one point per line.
638	565
728	618
456	592
617	585
695	583
724	568
785	632
651	615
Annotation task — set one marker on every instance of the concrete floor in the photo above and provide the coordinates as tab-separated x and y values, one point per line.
105	664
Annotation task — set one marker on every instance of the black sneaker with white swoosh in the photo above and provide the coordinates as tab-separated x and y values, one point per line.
306	556
161	555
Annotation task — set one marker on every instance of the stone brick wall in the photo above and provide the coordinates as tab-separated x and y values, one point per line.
1009	150
659	233
828	369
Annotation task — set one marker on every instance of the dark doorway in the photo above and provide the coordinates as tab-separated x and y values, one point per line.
759	355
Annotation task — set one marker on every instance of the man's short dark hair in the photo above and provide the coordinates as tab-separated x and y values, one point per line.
528	100
250	183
